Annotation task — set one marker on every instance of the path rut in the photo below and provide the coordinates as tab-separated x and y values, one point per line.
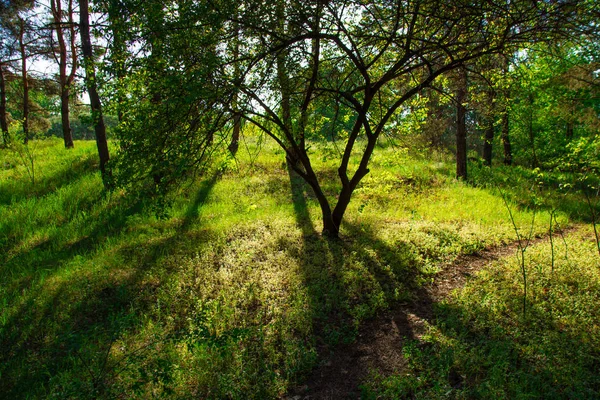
380	342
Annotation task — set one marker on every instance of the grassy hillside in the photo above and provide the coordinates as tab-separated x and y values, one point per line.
230	293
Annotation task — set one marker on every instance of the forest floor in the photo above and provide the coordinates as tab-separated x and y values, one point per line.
379	345
228	291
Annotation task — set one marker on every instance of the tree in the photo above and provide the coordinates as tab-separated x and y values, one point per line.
24	55
175	98
488	141
486	80
3	120
237	118
15	46
6	53
554	101
91	84
65	79
367	58
461	124
366	53
118	56
504	111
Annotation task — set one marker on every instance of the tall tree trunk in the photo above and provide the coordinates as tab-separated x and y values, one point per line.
90	82
118	52
489	131
505	136
348	186
282	76
235	136
57	15
461	126
237	120
3	121
534	161
25	81
569	132
504	124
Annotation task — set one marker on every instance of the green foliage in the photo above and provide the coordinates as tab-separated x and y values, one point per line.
554	104
173	117
82	126
42	103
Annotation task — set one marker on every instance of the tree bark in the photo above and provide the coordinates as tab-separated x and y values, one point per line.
505	137
285	95
90	82
534	161
504	124
489	132
237	120
3	120
282	76
25	81
235	136
118	52
569	133
64	80
461	126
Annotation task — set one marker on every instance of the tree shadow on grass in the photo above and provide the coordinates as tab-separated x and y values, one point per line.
45	258
476	354
300	191
71	172
63	332
42	336
352	282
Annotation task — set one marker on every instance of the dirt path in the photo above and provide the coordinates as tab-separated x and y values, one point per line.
380	341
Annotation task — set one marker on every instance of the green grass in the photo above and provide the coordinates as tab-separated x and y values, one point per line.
482	346
230	294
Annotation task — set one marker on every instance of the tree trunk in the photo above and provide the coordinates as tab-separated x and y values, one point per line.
25	82
569	133
64	114
461	126
504	125
505	137
57	15
489	132
331	227
282	77
90	82
237	120
534	162
348	186
235	136
3	121
118	52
